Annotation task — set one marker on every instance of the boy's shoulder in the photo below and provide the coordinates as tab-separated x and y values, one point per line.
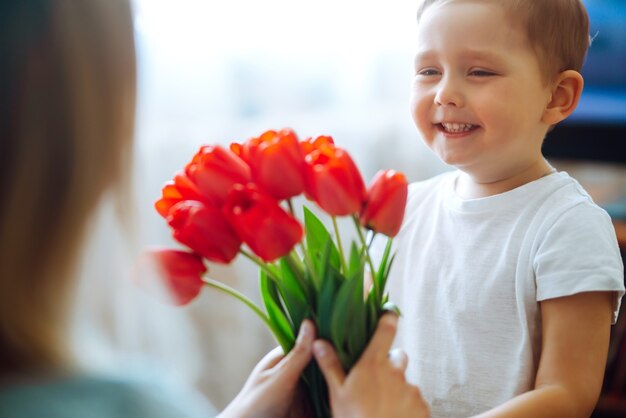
567	193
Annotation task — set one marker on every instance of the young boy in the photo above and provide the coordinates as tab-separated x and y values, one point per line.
508	275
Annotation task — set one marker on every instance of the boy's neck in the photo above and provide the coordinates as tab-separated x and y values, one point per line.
469	187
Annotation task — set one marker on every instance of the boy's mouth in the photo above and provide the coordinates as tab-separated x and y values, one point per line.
455	127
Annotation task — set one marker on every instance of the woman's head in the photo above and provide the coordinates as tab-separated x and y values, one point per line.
67	104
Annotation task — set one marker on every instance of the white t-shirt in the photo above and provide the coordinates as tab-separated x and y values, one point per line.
468	275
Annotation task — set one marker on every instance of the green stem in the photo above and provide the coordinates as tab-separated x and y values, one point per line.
261	265
241	297
367	256
294	260
369	245
341	255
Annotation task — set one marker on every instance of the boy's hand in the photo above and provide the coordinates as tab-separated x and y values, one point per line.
375	387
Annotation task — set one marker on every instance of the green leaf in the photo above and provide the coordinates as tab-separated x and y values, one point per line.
324	265
282	329
357	259
316	237
317	390
357	335
348	321
294	297
372	312
326	303
383	271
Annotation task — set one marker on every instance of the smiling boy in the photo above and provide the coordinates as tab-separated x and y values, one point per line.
509	276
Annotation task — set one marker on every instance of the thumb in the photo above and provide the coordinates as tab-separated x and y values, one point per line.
300	355
378	347
329	364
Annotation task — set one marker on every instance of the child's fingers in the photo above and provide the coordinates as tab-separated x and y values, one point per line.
378	348
329	364
300	355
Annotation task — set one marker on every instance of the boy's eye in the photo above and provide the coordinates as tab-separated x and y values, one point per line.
481	73
428	72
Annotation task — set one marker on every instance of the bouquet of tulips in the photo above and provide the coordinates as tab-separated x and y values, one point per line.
225	198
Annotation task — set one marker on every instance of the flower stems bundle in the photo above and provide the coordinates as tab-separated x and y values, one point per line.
238	201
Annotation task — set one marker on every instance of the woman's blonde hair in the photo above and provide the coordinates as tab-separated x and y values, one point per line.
67	109
558	30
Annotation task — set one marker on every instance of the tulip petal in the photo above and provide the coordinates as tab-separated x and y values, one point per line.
214	170
276	163
386	201
205	230
334	181
173	272
261	223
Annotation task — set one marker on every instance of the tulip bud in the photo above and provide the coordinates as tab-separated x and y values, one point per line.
178	273
261	223
333	181
205	230
214	170
386	201
276	162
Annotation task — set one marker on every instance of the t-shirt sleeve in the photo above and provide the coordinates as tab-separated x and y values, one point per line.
579	253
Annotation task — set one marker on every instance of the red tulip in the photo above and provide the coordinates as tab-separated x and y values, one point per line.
214	170
276	162
311	144
333	181
308	146
179	271
205	230
170	196
182	188
386	201
261	223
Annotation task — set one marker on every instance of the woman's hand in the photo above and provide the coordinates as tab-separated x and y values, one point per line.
375	387
270	391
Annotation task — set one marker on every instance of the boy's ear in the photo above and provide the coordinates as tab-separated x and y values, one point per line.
566	92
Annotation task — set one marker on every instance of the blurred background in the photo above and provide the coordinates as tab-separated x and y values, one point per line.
217	72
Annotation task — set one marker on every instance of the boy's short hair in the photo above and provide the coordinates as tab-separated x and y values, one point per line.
558	30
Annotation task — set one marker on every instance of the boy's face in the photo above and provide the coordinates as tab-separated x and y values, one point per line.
478	95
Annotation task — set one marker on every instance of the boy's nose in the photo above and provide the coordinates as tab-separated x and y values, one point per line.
449	94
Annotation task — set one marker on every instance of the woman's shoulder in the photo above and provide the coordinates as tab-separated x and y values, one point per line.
88	396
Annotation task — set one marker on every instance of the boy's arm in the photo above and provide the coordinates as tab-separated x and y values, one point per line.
575	341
